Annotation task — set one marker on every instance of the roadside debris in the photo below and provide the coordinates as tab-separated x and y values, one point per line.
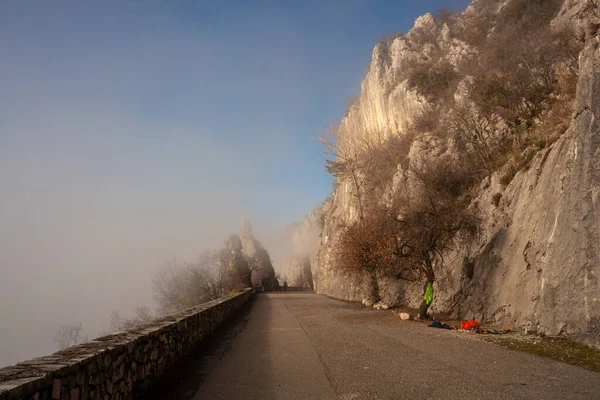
490	331
471	324
404	316
381	306
441	325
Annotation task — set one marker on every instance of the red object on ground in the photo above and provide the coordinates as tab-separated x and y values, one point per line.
472	324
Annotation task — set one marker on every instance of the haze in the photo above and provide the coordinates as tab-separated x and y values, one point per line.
134	133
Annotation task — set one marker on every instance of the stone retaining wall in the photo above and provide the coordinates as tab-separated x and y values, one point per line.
121	365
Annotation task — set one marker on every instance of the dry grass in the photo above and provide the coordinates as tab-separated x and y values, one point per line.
559	349
555	348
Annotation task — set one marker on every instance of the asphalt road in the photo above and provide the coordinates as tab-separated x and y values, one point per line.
307	346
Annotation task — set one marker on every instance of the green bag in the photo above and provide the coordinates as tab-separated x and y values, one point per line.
428	293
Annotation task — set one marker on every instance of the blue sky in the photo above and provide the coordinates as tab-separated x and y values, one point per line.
136	131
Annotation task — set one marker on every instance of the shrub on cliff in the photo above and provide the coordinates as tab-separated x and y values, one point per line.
522	69
434	82
492	104
523	73
369	246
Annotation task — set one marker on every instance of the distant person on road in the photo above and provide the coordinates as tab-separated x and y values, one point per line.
285	286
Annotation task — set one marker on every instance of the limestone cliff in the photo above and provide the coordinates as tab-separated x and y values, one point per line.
535	262
386	106
537	265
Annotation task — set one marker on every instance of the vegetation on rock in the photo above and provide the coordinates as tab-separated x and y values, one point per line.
507	95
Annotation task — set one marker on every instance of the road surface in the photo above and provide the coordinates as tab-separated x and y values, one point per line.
306	346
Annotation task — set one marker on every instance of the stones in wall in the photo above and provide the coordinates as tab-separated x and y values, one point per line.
121	365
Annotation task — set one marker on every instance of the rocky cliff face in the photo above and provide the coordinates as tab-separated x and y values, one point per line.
535	262
386	106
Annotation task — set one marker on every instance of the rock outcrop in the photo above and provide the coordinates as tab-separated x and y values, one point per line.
258	259
237	270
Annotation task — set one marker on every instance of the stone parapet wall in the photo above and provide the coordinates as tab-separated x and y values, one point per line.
121	365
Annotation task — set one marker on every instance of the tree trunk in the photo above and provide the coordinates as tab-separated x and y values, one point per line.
358	198
374	288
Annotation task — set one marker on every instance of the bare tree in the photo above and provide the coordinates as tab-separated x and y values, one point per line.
432	220
69	335
178	286
408	240
142	315
345	161
211	274
116	322
364	159
482	135
368	246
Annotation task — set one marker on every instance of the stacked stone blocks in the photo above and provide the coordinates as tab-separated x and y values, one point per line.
119	366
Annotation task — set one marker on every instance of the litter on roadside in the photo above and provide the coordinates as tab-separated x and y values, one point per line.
472	326
489	331
441	325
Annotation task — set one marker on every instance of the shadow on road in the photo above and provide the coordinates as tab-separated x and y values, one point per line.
187	375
